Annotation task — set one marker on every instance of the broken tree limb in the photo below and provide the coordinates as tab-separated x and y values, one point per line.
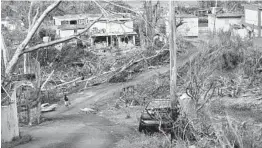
63	84
42	87
136	65
61	40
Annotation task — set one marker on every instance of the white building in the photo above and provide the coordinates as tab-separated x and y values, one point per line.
111	31
253	19
223	21
189	27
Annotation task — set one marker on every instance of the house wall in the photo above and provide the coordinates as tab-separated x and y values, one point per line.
57	22
256	33
251	16
66	33
189	28
221	23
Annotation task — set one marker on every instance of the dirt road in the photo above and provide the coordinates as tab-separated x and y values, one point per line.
70	128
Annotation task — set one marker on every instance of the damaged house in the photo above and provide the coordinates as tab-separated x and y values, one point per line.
115	30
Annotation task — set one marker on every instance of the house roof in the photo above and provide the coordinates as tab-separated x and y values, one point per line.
186	16
253	6
227	15
116	33
119	16
75	16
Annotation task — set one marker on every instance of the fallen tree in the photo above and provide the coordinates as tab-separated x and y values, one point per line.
161	57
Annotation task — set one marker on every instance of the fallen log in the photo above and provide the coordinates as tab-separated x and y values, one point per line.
136	66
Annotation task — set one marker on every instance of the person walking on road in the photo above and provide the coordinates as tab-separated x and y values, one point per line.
67	103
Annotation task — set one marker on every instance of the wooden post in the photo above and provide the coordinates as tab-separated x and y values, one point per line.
25	65
118	41
107	41
134	40
92	42
172	50
259	23
111	39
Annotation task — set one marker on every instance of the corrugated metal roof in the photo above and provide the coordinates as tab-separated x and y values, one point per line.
113	33
253	6
186	16
227	15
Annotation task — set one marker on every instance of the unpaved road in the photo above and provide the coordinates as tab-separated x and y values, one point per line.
70	128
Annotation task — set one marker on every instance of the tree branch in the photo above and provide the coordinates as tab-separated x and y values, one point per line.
29	36
29	15
101	8
34	19
48	78
60	40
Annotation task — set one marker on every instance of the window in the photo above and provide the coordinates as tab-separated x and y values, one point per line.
73	22
64	22
82	21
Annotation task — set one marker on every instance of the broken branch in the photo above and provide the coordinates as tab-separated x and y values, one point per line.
47	79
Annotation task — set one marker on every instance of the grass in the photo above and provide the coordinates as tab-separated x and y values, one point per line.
124	115
17	141
144	141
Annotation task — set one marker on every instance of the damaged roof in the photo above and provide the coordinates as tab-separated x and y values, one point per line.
119	16
227	15
253	6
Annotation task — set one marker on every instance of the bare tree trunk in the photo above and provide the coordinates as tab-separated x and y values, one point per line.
5	51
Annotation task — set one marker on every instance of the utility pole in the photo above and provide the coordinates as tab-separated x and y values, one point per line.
172	50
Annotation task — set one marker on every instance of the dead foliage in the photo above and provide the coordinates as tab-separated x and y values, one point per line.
161	57
226	66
